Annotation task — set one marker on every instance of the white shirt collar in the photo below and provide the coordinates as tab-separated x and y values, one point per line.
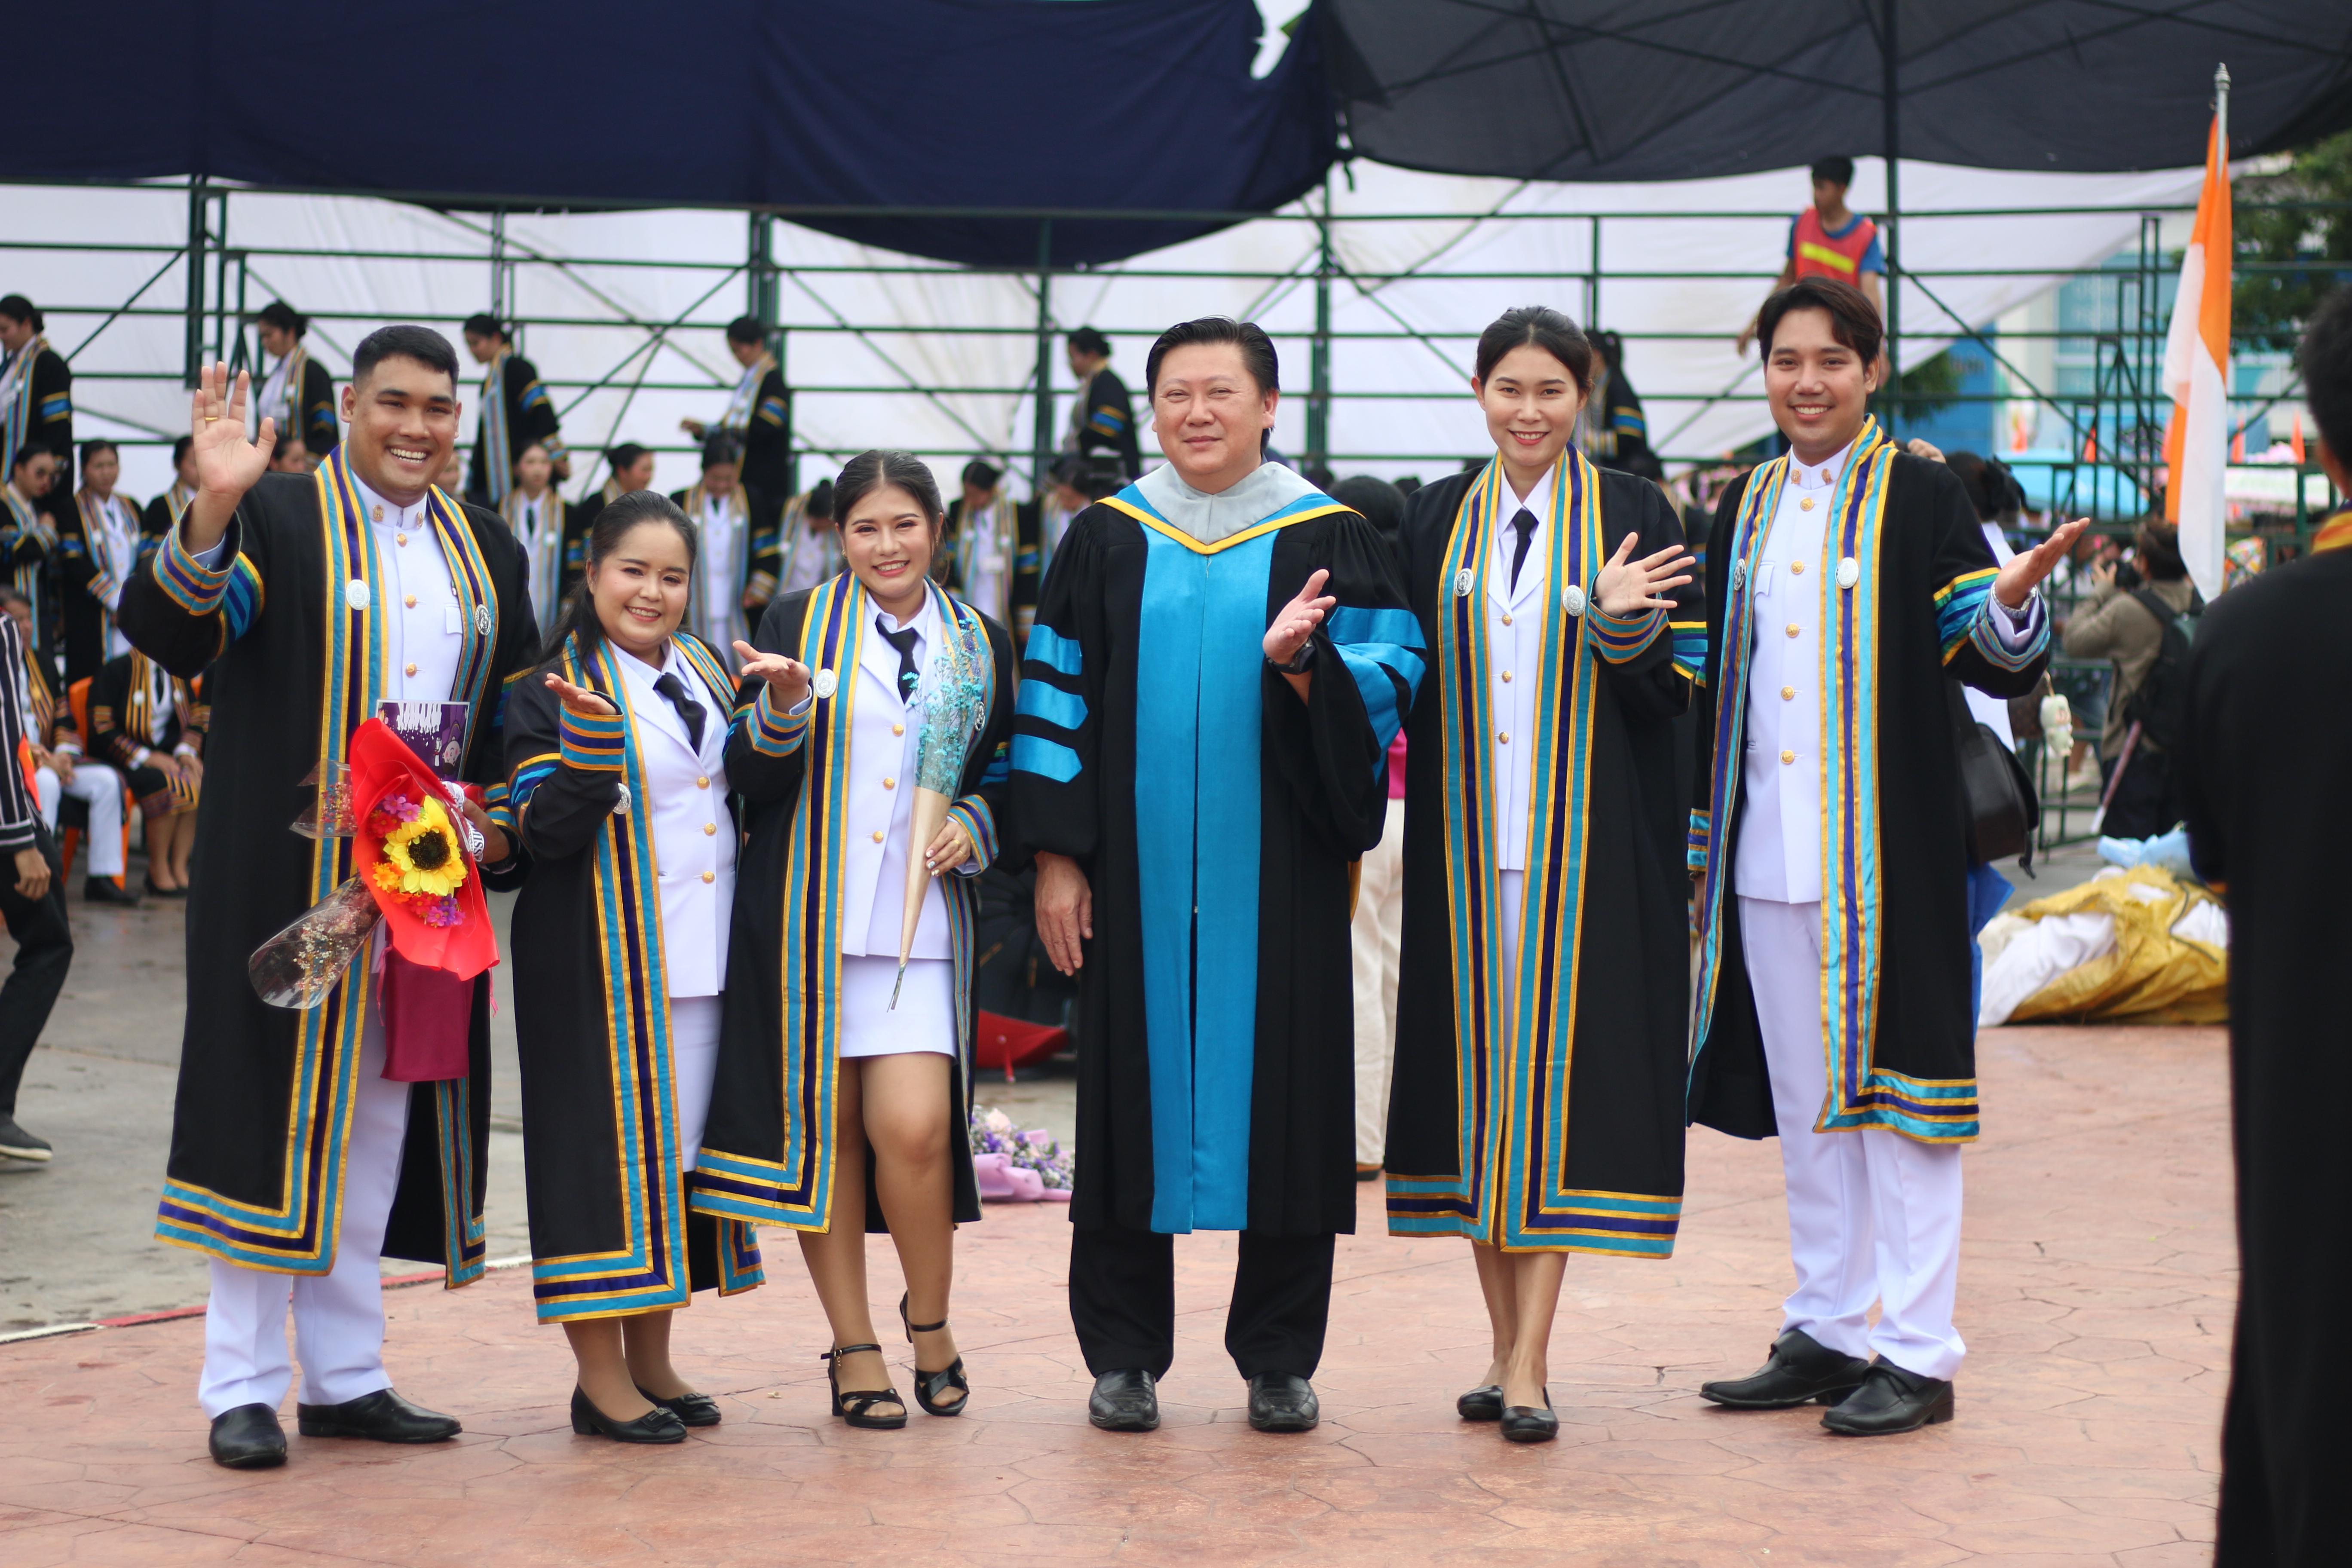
1820	475
652	671
925	621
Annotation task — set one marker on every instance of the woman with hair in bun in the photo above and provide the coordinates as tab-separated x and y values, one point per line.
841	1099
1537	1103
298	392
616	756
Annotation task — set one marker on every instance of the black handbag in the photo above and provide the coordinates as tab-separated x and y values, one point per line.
2002	809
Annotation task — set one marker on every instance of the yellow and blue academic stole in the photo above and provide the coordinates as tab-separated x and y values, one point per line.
297	1235
1515	1044
745	400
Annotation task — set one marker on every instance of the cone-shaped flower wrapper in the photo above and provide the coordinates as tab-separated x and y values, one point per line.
954	697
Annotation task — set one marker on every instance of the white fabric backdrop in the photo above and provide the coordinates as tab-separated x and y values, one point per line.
1683	383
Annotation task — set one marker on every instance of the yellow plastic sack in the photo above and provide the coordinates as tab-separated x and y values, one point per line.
2152	975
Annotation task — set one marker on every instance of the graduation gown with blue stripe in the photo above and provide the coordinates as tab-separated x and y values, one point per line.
1912	613
1545	1114
1215	816
768	1150
291	667
610	1231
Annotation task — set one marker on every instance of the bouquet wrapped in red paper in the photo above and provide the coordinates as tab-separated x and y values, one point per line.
414	859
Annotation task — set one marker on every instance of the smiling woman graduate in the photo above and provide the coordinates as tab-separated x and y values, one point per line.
1536	1108
620	787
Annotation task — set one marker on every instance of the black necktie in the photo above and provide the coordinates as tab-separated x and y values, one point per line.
904	641
671	687
1526	524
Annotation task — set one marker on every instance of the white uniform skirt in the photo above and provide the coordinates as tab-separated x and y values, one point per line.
924	1019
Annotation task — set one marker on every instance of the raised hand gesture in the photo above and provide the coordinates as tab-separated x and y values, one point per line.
787	678
579	698
1626	587
226	463
1297	621
2024	570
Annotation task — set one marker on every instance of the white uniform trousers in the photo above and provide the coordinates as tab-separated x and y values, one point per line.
100	785
338	1316
693	1067
1374	937
1872	1215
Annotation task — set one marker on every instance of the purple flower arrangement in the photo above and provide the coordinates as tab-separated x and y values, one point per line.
1012	1165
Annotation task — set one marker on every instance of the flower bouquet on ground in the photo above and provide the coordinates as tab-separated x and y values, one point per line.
1015	1166
413	859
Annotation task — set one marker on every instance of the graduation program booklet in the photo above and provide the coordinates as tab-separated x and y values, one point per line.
433	730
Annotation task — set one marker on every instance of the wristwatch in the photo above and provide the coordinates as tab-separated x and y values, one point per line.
1300	662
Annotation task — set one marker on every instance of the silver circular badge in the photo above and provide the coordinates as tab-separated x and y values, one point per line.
621	807
1740	574
482	619
355	594
1849	572
825	684
1464	581
1571	599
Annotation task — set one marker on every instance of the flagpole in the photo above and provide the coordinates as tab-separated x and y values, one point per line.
2221	109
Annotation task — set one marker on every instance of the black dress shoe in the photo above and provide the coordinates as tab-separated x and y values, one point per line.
19	1145
1283	1402
1525	1424
102	890
1799	1368
248	1439
383	1416
1483	1403
155	892
1124	1401
1890	1400
659	1425
694	1409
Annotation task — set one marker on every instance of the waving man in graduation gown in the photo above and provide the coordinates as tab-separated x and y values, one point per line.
295	1162
1850	584
1221	657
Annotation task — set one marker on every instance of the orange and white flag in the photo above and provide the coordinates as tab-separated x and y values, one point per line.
2197	375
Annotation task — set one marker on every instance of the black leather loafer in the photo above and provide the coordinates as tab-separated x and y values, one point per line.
248	1439
1801	1368
383	1416
694	1409
1525	1424
1890	1400
659	1425
1283	1402
1124	1401
1483	1403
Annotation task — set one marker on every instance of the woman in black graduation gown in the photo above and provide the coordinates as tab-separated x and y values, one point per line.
618	784
1536	1108
840	1104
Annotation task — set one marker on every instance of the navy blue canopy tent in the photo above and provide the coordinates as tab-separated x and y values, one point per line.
909	123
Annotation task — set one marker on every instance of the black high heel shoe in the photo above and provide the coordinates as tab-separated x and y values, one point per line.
930	1385
1525	1424
856	1405
655	1426
694	1409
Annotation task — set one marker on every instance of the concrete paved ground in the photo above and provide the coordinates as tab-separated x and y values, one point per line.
2097	1293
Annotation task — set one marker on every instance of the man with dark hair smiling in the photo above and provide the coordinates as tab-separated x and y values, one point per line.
1221	656
308	602
1850	584
2268	727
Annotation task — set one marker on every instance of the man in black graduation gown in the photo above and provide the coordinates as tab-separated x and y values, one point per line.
759	413
307	602
2263	779
516	412
1209	692
1102	420
35	399
298	392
